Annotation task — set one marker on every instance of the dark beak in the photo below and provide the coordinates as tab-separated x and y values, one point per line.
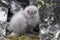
32	14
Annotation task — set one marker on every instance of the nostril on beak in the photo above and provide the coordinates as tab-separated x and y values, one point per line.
32	15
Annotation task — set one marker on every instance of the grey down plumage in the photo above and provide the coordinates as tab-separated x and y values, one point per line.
26	19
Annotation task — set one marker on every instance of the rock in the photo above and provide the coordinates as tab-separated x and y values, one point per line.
22	37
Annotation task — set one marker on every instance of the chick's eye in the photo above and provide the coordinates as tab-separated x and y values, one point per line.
35	11
28	11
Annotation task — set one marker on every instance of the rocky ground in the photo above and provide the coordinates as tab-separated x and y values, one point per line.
49	18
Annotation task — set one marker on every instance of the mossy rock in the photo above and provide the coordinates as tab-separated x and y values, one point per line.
12	37
23	37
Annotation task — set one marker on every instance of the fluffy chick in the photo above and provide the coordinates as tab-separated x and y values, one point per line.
25	20
18	23
32	15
